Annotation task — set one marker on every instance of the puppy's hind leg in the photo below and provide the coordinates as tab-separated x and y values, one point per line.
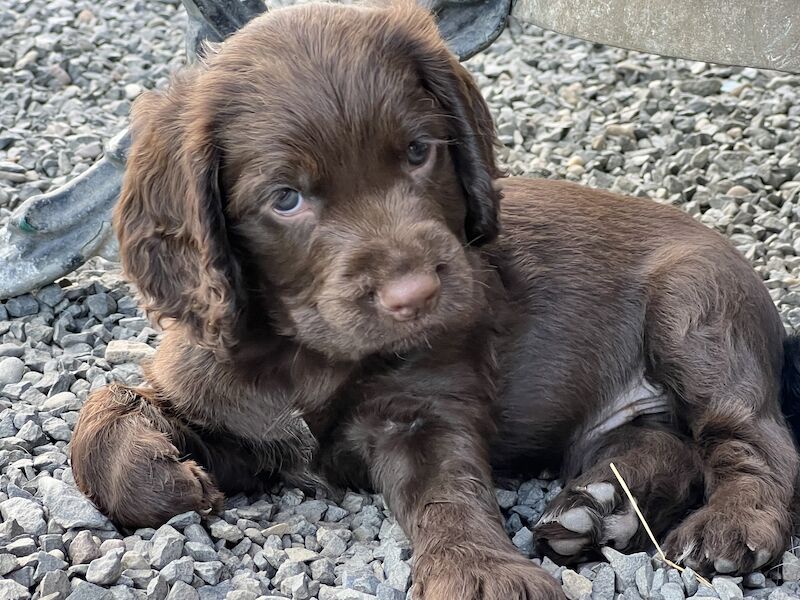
715	339
663	472
125	461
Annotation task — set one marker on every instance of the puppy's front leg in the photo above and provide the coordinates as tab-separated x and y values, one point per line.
429	458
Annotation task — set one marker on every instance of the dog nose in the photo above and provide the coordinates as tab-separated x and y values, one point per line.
406	297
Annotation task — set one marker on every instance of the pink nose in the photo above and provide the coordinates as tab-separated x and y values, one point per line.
406	297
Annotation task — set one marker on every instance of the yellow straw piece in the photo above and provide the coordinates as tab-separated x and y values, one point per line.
639	514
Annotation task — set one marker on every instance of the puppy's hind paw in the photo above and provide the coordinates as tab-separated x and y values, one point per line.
581	519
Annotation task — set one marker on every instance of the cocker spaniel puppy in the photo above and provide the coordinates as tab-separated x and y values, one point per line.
353	293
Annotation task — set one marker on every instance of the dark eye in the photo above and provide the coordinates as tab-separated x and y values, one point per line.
289	202
417	153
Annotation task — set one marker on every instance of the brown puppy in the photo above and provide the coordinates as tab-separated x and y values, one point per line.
315	214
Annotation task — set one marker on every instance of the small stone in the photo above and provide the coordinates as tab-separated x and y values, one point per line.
11	590
57	429
322	570
690	582
604	583
755	581
157	589
334	547
90	150
296	586
576	587
11	370
672	591
312	510
47	563
225	531
83	549
55	582
361	579
183	520
26	512
106	569
167	545
200	552
626	130
210	572
89	591
386	592
125	351
50	295
790	567
301	554
505	498
101	305
288	569
523	540
727	588
352	502
141	578
22	306
132	90
738	191
644	580
11	350
701	87
182	591
241	595
198	534
626	565
180	569
8	562
69	508
23	546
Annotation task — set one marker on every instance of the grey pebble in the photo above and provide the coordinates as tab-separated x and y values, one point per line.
11	370
182	591
83	548
68	507
106	569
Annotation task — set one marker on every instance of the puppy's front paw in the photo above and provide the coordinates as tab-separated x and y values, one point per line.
483	575
729	539
586	517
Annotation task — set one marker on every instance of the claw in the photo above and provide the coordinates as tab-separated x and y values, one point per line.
687	552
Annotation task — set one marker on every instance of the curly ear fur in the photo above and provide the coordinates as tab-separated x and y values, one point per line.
170	221
473	131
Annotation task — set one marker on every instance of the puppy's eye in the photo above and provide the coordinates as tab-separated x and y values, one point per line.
417	153
289	202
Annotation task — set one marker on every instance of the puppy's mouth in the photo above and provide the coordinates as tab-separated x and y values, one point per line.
413	310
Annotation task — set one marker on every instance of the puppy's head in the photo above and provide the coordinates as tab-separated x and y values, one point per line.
330	165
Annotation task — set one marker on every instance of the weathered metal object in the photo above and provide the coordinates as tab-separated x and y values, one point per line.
470	26
52	234
214	20
750	33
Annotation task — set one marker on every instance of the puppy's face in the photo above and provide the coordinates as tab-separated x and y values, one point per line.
351	170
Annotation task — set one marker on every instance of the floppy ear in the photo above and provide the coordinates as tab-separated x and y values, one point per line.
169	220
472	128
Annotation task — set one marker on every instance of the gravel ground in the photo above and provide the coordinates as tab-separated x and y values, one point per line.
721	143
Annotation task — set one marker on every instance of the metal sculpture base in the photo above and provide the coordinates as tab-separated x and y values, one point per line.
50	235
